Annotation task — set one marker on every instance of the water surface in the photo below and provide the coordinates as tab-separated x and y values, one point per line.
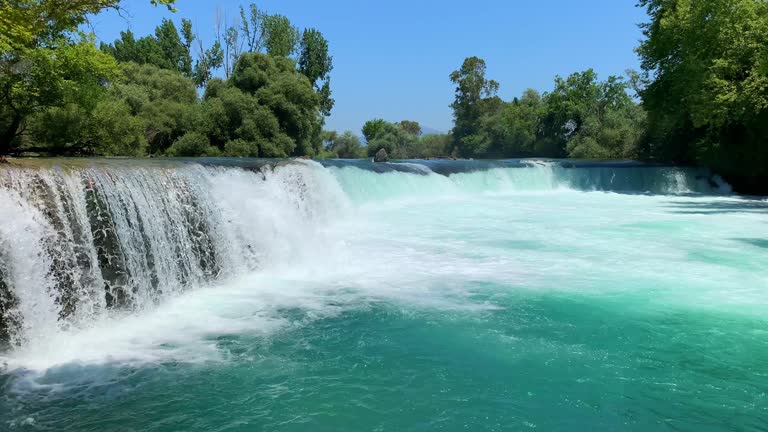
515	296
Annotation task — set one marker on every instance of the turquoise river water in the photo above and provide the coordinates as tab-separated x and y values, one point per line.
442	296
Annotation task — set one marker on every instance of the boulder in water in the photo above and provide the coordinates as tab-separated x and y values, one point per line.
381	156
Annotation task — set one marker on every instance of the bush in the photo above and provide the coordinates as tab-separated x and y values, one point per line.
240	148
191	144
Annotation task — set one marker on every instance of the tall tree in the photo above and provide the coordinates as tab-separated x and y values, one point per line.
176	54
33	80
371	128
231	48
167	49
398	142
473	91
28	23
521	121
706	64
281	37
267	104
316	64
252	28
188	36
412	127
344	146
208	60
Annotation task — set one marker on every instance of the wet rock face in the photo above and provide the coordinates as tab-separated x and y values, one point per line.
8	303
381	156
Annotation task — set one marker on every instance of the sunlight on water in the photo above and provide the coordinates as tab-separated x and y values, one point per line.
321	298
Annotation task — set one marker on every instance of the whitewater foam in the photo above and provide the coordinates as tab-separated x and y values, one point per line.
203	252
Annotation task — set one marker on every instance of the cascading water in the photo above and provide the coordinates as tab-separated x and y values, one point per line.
293	295
79	242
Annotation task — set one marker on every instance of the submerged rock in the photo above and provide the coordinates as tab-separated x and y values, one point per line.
381	156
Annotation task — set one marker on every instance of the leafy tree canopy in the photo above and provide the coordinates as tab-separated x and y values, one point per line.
705	67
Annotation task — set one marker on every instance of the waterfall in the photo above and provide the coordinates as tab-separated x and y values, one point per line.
84	239
78	242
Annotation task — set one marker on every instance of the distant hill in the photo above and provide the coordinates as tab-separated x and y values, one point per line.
426	130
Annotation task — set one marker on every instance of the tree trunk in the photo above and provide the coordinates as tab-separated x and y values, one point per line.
9	134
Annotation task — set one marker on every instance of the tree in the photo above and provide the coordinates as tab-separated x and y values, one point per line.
161	98
32	23
188	36
316	64
587	118
175	52
707	88
124	49
473	92
231	48
267	103
167	49
281	37
345	146
251	26
112	131
208	61
43	64
434	145
398	142
521	121
412	127
192	144
240	148
34	80
371	128
108	129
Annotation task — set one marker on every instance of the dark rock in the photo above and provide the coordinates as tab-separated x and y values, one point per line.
381	156
9	322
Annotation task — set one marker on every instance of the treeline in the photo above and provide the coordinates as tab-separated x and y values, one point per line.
62	95
582	117
700	99
401	140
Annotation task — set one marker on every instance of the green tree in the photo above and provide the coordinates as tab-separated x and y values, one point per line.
266	102
124	49
163	99
231	48
33	23
240	148
521	122
412	127
588	118
371	128
208	61
434	145
345	146
167	49
107	130
705	66
472	101
280	36
34	80
316	64
113	131
191	144
398	143
251	27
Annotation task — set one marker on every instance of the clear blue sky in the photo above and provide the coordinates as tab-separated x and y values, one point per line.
392	58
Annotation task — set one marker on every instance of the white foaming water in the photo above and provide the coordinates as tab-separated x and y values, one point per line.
191	253
24	231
